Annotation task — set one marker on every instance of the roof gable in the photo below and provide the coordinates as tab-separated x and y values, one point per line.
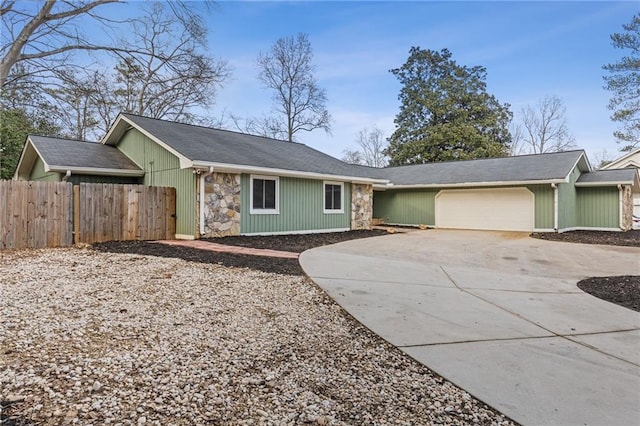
631	159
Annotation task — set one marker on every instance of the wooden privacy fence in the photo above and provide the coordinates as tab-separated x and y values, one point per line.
123	212
49	214
35	214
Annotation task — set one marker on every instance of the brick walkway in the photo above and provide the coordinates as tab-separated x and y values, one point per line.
206	245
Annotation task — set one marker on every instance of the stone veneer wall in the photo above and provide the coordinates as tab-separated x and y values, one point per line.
627	208
361	206
222	205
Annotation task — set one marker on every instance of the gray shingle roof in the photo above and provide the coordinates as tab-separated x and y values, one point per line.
69	153
203	144
208	145
614	176
509	169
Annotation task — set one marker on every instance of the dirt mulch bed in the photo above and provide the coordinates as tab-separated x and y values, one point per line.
629	238
623	290
293	243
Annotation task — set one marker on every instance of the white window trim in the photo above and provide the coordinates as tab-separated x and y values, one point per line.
264	211
324	189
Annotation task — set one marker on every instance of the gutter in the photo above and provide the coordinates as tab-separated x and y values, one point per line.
477	184
621	204
94	171
237	168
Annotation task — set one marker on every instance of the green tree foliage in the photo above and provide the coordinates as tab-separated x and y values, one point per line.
446	113
624	82
15	125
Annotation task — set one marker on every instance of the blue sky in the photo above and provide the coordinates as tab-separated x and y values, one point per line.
530	49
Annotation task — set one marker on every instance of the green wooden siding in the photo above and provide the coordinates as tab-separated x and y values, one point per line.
598	207
77	179
567	203
405	206
38	173
301	208
543	196
162	168
417	206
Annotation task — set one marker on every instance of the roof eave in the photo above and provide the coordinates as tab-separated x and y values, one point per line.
239	168
98	171
476	184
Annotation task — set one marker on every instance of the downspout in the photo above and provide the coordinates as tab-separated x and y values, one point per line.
66	176
621	208
555	206
202	184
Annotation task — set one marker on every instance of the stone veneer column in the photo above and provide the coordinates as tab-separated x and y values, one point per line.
222	205
361	206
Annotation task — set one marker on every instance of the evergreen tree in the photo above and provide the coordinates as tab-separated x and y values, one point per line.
624	83
446	113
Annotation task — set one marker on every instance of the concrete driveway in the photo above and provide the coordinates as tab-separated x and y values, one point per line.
500	315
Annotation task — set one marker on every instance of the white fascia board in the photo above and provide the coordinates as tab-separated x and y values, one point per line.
604	183
28	144
476	184
185	162
586	160
237	168
94	171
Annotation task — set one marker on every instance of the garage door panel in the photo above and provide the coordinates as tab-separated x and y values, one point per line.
507	209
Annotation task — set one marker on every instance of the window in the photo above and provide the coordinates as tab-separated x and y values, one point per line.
264	195
333	197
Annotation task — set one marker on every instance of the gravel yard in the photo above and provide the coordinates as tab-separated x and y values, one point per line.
90	337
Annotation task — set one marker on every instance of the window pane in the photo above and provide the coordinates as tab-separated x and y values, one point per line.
269	194
328	197
258	188
332	197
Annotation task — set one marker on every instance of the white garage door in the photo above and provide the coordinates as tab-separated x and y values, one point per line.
504	209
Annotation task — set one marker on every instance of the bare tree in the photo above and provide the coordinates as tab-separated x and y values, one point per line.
352	157
269	127
601	159
517	146
75	101
169	76
545	126
287	69
40	36
372	146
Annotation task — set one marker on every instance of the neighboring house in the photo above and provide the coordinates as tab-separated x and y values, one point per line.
229	183
630	160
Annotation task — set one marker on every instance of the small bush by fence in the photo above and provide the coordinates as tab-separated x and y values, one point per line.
49	214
